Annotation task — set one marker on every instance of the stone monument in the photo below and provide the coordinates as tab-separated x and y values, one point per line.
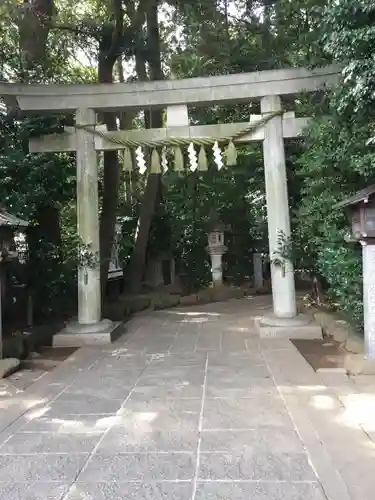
258	270
216	250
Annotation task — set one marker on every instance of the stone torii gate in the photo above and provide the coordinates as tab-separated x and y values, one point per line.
175	96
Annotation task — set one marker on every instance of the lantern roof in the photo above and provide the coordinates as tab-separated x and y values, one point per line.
215	223
360	196
217	226
9	220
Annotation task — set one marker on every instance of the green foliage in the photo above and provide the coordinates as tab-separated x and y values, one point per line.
28	181
335	164
342	268
348	35
338	160
284	251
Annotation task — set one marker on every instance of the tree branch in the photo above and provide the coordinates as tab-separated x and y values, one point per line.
78	31
137	17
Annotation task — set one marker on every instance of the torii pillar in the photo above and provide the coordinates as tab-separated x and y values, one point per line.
283	289
90	328
284	320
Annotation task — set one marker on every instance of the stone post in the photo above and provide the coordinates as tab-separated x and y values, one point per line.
258	270
283	288
368	256
216	255
89	298
90	327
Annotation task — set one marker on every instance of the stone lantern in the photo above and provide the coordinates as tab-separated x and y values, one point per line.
216	250
360	209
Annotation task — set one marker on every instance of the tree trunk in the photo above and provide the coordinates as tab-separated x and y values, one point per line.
44	242
153	119
34	24
111	180
48	218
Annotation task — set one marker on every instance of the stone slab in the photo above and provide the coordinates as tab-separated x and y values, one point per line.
255	466
33	491
182	389
191	373
237	375
66	338
25	443
144	439
77	404
259	491
233	359
184	381
260	439
46	467
121	362
264	387
234	413
108	387
159	414
179	360
144	467
122	490
70	425
311	331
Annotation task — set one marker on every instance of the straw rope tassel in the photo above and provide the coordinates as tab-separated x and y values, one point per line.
217	155
155	162
202	160
127	160
231	154
164	160
193	160
140	159
178	160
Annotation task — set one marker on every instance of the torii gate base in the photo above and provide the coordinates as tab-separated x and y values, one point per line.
76	334
301	326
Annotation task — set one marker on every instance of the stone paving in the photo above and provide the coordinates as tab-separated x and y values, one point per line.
189	404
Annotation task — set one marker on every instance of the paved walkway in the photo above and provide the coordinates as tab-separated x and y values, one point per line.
189	404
